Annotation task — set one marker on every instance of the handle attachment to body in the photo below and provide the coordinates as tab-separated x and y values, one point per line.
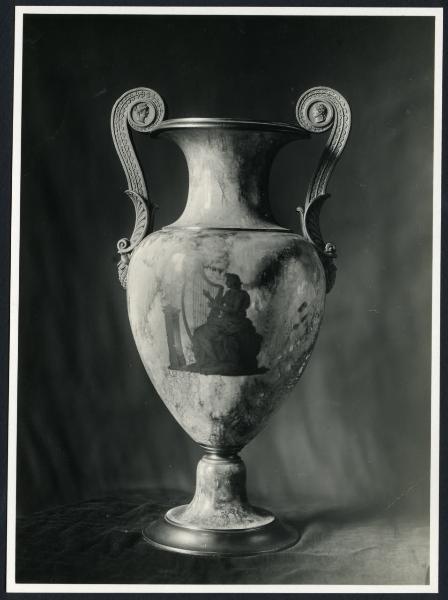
141	109
318	110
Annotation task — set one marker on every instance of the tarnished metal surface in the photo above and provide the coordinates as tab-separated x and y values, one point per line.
140	109
318	110
272	537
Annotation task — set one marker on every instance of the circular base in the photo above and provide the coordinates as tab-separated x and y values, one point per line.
272	537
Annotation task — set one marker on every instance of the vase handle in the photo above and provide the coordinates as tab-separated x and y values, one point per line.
318	110
141	109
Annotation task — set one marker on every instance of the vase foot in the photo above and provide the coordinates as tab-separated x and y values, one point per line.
220	520
167	535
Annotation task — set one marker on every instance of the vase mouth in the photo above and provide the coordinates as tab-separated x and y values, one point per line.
236	124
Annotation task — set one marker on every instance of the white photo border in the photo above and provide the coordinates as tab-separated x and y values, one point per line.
20	11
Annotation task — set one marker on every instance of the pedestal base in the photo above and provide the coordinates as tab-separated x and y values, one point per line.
232	542
220	520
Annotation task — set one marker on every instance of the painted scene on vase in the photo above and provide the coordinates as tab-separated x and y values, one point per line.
213	315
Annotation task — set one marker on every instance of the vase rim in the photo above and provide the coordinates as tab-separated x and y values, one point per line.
223	123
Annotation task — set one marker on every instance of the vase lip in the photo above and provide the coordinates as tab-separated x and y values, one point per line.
224	123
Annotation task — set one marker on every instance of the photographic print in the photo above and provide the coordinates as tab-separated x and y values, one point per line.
225	300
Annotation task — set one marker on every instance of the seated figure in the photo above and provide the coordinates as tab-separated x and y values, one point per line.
227	343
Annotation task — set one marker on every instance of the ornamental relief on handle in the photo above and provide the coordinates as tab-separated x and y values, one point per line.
140	109
320	109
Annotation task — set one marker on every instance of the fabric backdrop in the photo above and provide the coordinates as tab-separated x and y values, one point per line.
355	432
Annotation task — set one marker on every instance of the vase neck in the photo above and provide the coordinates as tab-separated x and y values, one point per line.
228	175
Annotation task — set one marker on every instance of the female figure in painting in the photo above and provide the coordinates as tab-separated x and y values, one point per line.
227	343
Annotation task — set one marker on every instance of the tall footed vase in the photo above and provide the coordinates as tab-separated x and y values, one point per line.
224	304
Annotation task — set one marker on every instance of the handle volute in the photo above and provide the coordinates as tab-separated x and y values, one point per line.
140	109
318	110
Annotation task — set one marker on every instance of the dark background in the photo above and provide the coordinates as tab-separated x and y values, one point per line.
355	433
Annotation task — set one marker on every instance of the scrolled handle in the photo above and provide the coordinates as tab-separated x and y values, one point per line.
318	110
140	109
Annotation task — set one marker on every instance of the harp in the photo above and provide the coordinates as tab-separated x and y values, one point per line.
195	304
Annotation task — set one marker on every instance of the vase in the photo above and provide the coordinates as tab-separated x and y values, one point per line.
225	304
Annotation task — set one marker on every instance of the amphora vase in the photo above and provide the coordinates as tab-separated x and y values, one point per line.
225	304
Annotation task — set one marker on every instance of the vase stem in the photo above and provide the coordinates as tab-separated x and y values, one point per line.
219	520
220	500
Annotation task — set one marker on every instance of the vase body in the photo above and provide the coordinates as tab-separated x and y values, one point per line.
221	375
225	305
